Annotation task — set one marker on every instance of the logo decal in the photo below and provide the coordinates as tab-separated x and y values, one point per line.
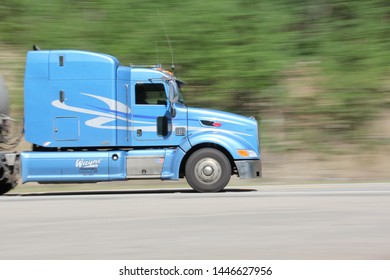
84	164
88	167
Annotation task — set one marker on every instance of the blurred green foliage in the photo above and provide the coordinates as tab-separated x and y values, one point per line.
316	65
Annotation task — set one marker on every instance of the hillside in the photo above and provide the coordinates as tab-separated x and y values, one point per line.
315	73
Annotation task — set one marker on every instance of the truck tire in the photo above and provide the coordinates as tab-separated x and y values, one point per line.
5	184
8	177
6	187
208	170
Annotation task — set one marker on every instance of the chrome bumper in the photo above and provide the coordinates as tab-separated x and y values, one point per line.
248	169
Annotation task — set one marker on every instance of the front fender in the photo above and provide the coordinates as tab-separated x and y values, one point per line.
230	141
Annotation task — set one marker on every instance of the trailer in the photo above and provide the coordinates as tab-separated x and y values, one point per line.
10	136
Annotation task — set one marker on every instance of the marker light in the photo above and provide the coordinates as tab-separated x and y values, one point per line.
247	153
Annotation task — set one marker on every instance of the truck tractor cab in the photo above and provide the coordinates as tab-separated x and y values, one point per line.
94	120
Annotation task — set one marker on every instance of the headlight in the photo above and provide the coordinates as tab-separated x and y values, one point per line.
247	153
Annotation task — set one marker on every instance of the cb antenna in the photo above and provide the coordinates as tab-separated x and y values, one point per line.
169	41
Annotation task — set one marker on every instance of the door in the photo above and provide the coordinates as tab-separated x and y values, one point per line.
66	129
150	103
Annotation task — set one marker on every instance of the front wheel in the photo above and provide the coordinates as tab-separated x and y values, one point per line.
208	170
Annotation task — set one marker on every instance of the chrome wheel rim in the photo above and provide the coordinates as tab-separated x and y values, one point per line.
208	170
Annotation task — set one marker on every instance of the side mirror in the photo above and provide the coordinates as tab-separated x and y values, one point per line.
173	111
162	126
172	87
172	97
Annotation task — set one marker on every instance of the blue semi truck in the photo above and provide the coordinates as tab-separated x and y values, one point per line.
91	119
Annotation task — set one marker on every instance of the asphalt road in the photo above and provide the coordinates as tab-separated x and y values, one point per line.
266	222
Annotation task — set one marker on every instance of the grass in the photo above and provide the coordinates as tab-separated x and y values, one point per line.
236	55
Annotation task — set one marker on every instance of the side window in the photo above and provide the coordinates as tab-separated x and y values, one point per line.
152	94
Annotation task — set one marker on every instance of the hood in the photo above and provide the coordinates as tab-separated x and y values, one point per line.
223	122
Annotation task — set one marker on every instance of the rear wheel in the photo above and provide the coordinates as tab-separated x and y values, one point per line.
9	176
5	184
208	170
